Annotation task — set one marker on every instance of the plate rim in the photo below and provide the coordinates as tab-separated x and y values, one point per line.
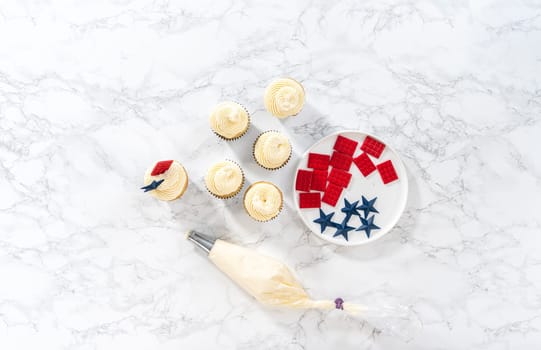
347	243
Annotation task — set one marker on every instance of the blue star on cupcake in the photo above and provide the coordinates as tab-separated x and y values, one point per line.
367	226
368	206
153	185
324	220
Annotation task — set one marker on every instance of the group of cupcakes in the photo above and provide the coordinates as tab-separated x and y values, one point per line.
263	201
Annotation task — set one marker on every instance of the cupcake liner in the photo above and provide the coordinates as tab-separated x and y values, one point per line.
261	165
231	195
281	201
241	134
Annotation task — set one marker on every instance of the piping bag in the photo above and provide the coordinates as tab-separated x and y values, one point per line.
271	283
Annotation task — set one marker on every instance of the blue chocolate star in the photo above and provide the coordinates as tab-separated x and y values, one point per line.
368	206
350	209
367	226
324	220
153	185
343	229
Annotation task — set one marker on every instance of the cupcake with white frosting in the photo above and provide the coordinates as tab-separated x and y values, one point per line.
284	97
166	180
263	201
224	179
229	120
272	150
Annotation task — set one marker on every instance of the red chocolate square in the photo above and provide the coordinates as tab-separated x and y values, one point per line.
341	160
319	180
310	200
365	164
387	172
318	161
161	167
345	145
332	194
304	180
372	147
339	177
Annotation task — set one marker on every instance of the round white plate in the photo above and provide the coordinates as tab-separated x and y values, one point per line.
391	197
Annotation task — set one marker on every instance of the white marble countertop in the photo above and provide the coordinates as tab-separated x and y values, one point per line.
92	93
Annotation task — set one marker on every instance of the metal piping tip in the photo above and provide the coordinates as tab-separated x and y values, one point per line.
200	240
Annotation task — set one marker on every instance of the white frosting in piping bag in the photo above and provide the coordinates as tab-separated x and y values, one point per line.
266	279
272	283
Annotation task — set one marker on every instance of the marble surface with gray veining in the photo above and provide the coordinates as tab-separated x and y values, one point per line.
94	92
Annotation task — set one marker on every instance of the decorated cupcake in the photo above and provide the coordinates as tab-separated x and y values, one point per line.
272	150
167	180
263	201
284	97
229	120
224	179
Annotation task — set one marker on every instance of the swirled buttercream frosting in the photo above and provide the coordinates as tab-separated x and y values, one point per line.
263	201
272	150
175	182
229	120
284	97
224	179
